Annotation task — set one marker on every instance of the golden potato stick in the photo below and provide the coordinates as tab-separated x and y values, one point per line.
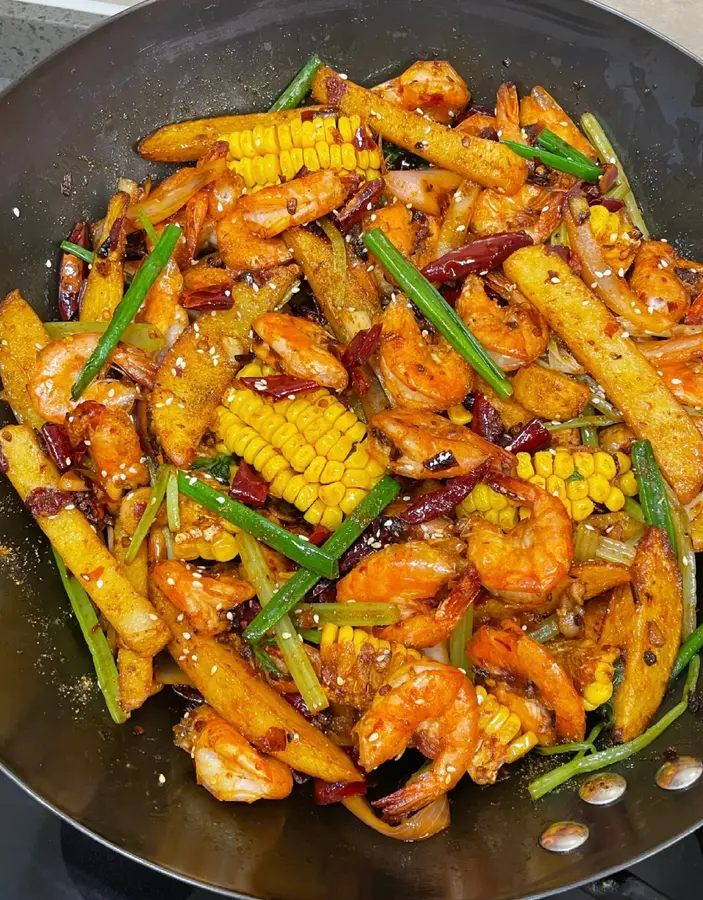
232	688
488	163
189	385
105	285
22	336
457	216
188	141
629	381
135	679
131	615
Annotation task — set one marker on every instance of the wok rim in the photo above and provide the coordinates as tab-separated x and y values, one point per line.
37	71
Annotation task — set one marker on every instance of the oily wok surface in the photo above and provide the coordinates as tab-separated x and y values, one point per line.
79	115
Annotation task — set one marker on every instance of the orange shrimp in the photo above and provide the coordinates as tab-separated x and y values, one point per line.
401	573
114	446
515	332
161	307
274	209
531	559
226	764
658	288
533	209
424	445
541	108
205	596
434	705
419	373
433	87
679	361
60	363
511	655
505	122
302	348
413	233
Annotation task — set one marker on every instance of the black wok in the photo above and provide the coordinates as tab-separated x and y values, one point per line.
81	113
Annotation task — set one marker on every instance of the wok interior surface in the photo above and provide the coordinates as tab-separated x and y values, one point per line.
81	113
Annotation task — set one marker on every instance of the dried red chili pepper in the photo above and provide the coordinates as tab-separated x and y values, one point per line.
279	387
362	346
451	293
72	275
480	255
213	296
533	437
443	501
58	444
361	202
44	501
326	793
487	421
248	486
319	535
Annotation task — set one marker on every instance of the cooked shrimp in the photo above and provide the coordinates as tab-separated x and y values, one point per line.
418	372
679	361
161	307
302	348
433	87
534	209
297	202
658	289
433	704
424	445
226	764
411	232
509	327
541	108
531	559
204	595
433	626
114	446
512	656
401	573
223	194
60	363
533	714
618	238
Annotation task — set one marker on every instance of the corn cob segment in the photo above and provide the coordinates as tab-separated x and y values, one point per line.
580	478
354	664
502	739
311	449
203	534
590	667
264	156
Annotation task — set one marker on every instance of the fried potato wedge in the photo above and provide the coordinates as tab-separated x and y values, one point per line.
22	336
234	690
189	384
105	285
487	163
549	394
135	678
188	141
597	576
619	615
511	412
130	614
600	345
654	637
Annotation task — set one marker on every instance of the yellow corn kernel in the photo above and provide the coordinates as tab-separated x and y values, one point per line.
296	408
598	488
275	465
539	480
556	487
328	636
523	744
265	455
507	518
332	472
525	469
314	514
351	500
345	635
224	546
544	463
333	411
332	494
623	461
341	449
567	504
604	464
583	461
292	445
302	458
524	512
498	720
270	426
459	415
510	729
601	217
375	469
563	464
346	420
577	489
596	694
251	370
491	515
357	460
482	497
581	509
332	518
293	488
466	507
481	694
283	435
314	470
356	478
253	448
323	154
324	446
615	499
307	417
307	496
357	432
628	483
498	501
315	429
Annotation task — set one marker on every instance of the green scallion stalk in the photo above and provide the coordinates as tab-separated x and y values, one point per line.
651	490
435	308
559	236
591	739
359	615
458	640
268	663
253	523
290	645
597	136
589	433
691	646
168	540
572	747
173	513
687	562
158	491
585	171
580	422
103	660
148	226
127	308
633	509
595	761
296	91
76	249
586	541
547	630
612	551
548	140
138	334
311	635
303	581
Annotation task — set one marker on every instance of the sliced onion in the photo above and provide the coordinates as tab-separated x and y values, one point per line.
424	189
418	827
560	360
675	349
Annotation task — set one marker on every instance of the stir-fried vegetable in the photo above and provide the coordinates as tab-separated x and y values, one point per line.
172	506
361	615
76	249
652	490
295	93
139	334
459	639
583	169
158	492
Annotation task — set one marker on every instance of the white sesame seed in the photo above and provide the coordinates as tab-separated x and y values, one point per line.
99	583
285	635
213	670
16	211
153	617
373	736
186	635
162	779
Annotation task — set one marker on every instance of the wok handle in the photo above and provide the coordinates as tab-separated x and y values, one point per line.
623	886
